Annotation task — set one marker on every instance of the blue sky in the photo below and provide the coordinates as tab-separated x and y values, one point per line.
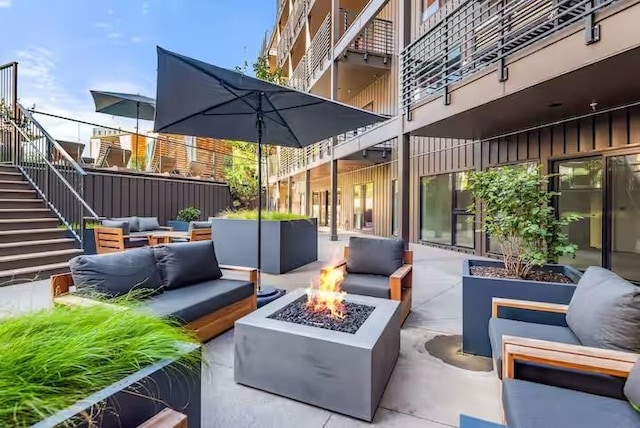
67	47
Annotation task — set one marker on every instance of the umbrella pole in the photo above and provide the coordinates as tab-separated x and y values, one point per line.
136	156
260	125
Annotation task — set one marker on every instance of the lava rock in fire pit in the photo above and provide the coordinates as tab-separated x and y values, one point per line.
298	313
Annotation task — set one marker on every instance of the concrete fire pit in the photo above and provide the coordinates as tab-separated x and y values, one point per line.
343	372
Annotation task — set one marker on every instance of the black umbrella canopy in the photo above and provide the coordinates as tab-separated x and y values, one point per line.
196	98
125	105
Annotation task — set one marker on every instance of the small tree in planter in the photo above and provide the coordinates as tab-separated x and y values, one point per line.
518	214
184	216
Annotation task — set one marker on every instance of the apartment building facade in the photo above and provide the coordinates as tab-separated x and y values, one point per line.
468	86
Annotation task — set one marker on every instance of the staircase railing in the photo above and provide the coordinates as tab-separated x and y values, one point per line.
55	175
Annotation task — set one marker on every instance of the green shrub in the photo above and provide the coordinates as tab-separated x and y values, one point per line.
189	214
76	226
518	215
266	215
50	359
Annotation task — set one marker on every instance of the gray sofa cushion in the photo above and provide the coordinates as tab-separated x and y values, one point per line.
187	304
604	311
499	327
632	386
367	285
533	405
148	224
187	263
118	224
116	274
199	225
133	222
374	256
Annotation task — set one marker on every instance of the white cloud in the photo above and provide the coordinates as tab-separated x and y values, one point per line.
5	3
110	12
114	36
136	39
145	7
105	25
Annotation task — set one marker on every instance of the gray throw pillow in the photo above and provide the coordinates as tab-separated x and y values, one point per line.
133	223
199	225
604	311
116	274
187	263
147	224
374	256
118	224
632	387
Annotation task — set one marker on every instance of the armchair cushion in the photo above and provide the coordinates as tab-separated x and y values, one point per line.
133	223
604	311
147	224
499	327
116	274
374	256
632	386
124	225
534	405
187	263
199	225
367	285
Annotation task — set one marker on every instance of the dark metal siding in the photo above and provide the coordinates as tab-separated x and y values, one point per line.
114	194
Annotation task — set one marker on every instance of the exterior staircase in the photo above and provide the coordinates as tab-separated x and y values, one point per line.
32	246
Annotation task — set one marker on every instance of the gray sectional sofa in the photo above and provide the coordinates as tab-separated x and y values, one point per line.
561	376
136	229
181	280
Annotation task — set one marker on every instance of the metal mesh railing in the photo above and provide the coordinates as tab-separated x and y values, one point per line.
475	35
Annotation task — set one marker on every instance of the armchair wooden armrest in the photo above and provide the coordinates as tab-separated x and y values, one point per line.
577	357
340	264
167	418
498	302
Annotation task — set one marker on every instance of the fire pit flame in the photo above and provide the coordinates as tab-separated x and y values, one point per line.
328	297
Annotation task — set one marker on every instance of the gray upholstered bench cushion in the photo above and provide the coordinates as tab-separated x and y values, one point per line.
187	304
533	405
499	327
367	285
374	256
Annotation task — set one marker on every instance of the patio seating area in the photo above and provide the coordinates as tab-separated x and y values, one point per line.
423	391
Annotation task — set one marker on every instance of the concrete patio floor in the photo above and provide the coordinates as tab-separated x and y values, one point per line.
423	390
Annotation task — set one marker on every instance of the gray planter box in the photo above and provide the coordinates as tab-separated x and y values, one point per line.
477	292
341	372
138	397
286	245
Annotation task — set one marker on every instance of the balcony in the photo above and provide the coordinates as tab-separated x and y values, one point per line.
291	30
376	38
482	52
313	61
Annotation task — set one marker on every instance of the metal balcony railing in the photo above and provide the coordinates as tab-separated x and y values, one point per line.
300	76
291	30
475	35
281	4
320	48
375	38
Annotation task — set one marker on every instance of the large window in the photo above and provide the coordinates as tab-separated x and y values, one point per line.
444	219
363	206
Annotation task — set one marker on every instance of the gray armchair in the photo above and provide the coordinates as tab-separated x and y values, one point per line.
530	404
378	267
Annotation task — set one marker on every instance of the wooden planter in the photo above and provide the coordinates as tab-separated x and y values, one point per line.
138	397
477	292
286	244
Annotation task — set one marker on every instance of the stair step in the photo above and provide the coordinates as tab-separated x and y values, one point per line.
36	246
14	184
27	223
19	261
32	273
20	235
21	203
17	193
12	174
12	213
8	168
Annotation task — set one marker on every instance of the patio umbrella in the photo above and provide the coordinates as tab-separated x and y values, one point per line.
196	98
125	105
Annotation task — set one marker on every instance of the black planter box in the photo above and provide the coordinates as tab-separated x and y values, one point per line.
178	225
89	239
477	292
286	244
140	396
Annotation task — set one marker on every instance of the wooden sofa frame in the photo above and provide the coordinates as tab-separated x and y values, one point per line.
204	328
112	239
400	282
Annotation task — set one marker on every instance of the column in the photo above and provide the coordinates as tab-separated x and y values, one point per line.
334	198
404	184
290	194
307	193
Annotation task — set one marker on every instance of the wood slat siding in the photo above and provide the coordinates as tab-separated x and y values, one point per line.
121	194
